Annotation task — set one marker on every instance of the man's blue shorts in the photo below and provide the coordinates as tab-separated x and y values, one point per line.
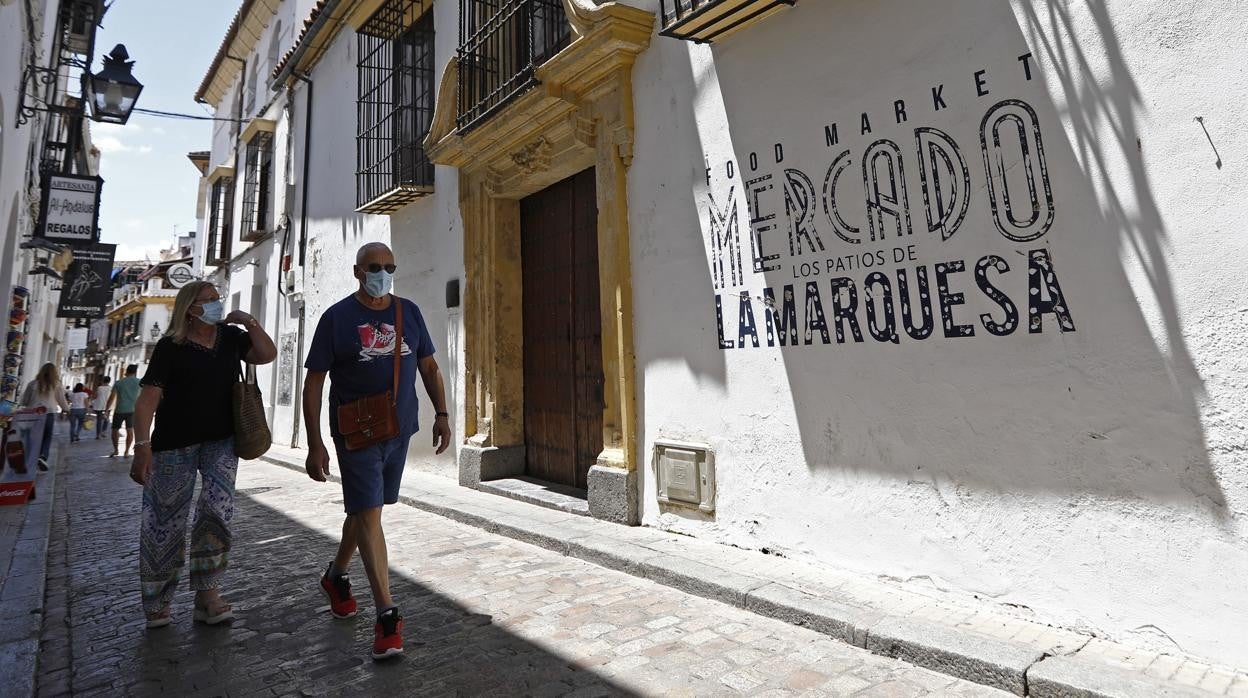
371	476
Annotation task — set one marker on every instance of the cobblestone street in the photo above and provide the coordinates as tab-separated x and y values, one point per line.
485	615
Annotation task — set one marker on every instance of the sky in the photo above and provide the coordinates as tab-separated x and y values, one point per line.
149	185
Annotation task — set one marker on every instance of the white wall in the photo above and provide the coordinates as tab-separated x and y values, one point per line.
17	160
1084	475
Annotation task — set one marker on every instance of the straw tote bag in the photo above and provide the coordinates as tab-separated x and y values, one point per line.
251	429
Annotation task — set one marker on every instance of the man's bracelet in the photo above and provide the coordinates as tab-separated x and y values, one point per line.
148	443
441	414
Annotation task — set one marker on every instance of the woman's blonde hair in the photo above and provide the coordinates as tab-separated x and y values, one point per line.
47	378
180	322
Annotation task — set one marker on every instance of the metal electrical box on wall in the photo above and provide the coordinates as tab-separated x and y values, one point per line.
685	474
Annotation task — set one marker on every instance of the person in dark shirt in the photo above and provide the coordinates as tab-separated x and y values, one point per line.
188	387
354	344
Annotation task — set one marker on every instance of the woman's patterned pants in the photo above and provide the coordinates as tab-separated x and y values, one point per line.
166	503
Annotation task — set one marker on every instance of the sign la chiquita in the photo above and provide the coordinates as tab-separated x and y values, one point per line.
836	271
70	208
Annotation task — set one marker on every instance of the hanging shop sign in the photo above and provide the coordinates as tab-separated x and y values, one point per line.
70	210
180	275
75	338
85	290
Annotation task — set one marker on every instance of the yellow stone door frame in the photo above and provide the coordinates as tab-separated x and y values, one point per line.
579	116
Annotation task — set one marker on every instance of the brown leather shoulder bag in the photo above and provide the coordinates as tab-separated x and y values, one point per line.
374	419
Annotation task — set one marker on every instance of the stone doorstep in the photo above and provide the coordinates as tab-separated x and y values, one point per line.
525	489
1018	667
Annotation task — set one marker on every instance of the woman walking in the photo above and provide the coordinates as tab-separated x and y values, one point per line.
45	391
77	410
188	389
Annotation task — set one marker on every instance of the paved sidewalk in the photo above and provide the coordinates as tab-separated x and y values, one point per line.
23	568
485	614
980	644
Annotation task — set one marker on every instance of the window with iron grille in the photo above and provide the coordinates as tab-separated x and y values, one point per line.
395	106
501	44
257	186
220	230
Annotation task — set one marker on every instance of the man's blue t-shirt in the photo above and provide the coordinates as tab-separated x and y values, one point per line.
355	344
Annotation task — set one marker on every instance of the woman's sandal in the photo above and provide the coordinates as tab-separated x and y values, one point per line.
159	620
212	616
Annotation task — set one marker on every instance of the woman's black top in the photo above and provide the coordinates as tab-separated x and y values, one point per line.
197	403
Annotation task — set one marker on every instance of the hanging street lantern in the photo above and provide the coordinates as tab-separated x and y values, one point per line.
113	91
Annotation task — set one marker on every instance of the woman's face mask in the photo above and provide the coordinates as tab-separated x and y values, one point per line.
212	312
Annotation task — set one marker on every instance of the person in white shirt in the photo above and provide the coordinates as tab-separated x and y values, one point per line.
100	405
77	410
45	391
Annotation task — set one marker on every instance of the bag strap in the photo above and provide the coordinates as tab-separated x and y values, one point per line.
398	344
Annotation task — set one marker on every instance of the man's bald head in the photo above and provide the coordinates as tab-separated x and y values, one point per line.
369	252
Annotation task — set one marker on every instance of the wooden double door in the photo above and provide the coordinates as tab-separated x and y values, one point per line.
563	401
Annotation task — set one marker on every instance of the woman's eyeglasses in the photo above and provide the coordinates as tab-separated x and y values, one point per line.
375	267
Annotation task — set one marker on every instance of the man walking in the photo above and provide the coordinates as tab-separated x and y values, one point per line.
124	394
99	403
355	343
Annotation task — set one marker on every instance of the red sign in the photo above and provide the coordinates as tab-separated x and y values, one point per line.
16	492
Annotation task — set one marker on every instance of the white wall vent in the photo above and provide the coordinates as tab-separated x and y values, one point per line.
685	474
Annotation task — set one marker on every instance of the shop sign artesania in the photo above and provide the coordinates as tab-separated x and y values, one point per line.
70	211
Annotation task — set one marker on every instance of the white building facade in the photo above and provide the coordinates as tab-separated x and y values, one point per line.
942	293
32	37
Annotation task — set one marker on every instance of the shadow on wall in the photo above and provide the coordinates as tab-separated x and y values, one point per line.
652	219
958	309
671	278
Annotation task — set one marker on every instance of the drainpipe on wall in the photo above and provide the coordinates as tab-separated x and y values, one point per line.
303	246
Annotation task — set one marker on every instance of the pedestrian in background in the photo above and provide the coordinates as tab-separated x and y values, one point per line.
45	391
358	342
77	410
99	403
188	388
125	393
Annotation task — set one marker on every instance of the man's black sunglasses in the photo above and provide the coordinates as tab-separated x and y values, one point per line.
375	267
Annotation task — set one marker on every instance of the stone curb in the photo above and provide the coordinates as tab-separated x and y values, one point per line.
1076	677
22	599
1019	669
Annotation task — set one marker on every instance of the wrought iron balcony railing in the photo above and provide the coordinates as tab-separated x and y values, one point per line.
501	44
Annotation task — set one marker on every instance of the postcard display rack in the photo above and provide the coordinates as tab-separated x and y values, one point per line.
17	475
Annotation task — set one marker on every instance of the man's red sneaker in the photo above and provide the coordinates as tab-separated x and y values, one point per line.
388	635
341	602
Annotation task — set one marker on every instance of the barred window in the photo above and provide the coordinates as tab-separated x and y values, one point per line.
220	232
257	186
501	44
395	106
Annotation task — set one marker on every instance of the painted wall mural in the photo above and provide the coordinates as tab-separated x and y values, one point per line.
862	249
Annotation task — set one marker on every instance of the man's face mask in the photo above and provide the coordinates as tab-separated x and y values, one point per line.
378	279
